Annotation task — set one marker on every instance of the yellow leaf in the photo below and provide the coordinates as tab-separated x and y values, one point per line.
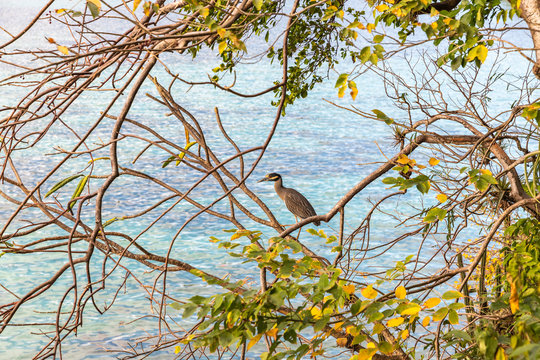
403	159
221	32
390	1
432	302
426	321
316	312
413	309
222	46
405	334
182	154
272	332
500	355
177	349
361	26
95	2
381	7
399	12
204	12
239	233
486	172
370	27
341	342
421	166
442	198
433	161
341	91
338	325
366	354
254	340
369	293
400	292
514	298
354	92
481	53
64	50
349	289
352	330
136	4
395	322
230	320
434	25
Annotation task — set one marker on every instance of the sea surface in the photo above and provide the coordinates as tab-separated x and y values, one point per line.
318	148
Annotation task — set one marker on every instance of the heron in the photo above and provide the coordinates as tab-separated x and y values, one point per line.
297	203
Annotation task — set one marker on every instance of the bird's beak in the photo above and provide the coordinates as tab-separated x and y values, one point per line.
263	179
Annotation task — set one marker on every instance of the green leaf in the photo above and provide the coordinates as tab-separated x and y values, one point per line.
452	294
324	282
378	38
94	6
225	338
382	116
78	191
456	306
385	347
440	314
59	184
434	214
258	4
458	334
321	323
365	53
168	161
424	187
442	60
481	184
355	308
389	181
490	179
453	317
189	309
456	63
342	80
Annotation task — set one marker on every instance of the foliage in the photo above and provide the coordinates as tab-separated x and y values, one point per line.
460	164
310	300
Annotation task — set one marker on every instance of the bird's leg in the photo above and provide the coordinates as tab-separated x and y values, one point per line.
299	230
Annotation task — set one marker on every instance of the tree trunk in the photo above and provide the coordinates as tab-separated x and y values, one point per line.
530	12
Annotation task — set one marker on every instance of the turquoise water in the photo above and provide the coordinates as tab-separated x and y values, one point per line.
318	148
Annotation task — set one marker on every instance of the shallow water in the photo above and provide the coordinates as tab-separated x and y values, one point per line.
317	148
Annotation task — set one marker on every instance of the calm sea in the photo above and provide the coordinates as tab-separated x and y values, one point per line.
318	148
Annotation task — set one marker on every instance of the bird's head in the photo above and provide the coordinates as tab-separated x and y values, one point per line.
270	177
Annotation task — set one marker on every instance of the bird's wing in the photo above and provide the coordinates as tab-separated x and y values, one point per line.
299	205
